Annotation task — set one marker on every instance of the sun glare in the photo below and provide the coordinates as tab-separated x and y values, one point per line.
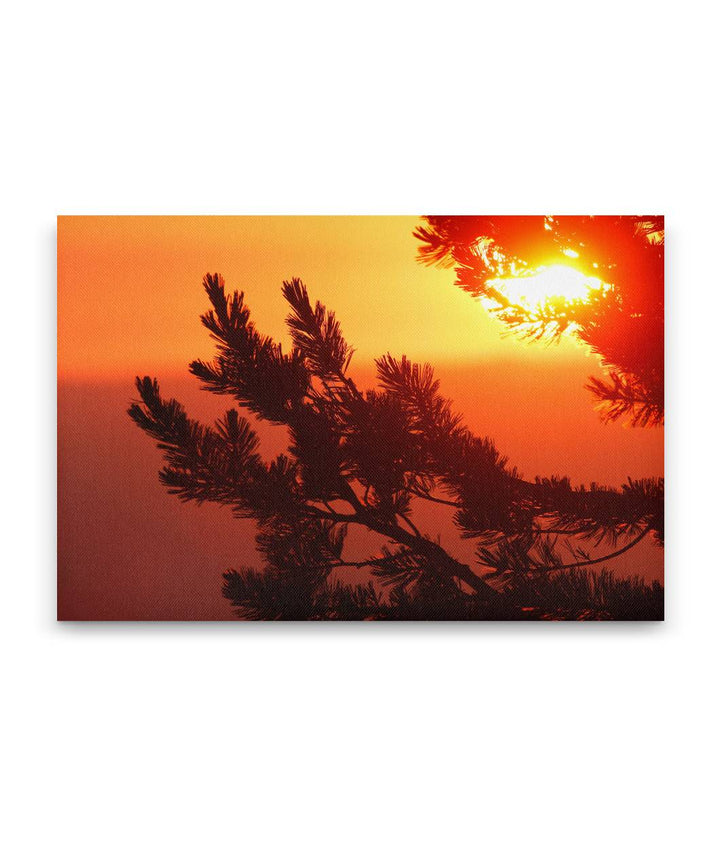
548	283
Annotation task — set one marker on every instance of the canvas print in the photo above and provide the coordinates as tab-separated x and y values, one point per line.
451	418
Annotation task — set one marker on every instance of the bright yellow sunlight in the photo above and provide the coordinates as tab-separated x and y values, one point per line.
548	283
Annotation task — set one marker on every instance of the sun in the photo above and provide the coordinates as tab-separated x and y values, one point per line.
546	284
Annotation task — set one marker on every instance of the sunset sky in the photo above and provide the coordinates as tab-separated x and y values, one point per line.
135	282
129	300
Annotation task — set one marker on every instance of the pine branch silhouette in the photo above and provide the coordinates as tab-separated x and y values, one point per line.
623	323
364	459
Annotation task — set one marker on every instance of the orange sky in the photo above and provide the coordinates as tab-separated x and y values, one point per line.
130	289
129	299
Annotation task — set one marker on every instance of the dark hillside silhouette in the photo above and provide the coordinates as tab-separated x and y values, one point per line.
365	459
623	322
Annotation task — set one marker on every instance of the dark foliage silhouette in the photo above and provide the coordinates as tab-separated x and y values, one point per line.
622	322
366	459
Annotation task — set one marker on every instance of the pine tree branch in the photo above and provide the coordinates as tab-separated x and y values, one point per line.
601	559
393	444
412	526
430	498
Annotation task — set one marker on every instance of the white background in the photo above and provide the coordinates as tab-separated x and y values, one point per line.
328	739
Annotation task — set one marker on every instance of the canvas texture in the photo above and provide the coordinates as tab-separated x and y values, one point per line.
448	418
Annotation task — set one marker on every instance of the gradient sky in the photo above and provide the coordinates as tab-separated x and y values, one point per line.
130	291
129	300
